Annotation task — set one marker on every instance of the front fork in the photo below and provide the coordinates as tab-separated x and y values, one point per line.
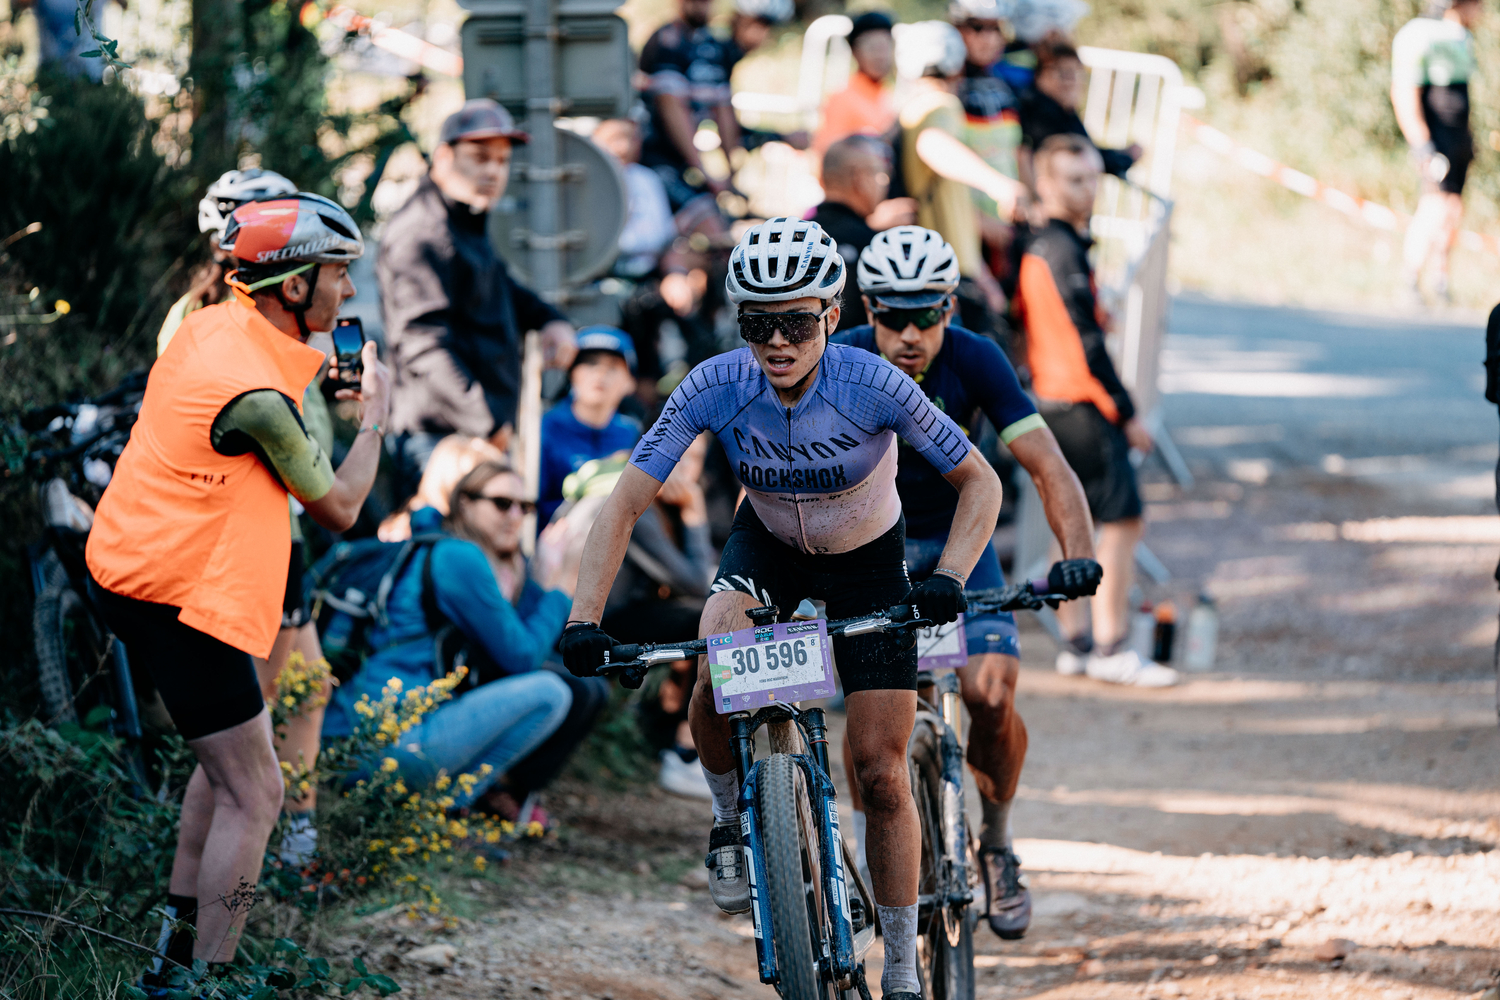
838	960
955	823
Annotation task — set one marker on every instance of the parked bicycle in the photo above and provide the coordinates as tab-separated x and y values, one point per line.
814	915
935	757
69	450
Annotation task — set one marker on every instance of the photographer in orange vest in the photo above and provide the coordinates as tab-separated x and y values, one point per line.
190	544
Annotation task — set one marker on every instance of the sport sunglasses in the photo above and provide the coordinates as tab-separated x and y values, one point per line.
796	327
922	318
504	504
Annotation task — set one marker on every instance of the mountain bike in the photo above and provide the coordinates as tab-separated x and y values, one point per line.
935	758
69	451
814	915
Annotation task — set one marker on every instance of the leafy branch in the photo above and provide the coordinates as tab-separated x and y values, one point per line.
109	48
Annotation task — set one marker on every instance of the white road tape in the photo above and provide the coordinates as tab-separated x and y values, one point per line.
1368	212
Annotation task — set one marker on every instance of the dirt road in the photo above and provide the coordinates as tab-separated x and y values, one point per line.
1317	817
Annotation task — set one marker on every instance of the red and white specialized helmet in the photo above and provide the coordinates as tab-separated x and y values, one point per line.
784	259
303	229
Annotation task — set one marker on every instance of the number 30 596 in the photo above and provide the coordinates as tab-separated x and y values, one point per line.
773	656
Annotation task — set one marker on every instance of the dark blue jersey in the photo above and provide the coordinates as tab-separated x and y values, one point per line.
969	376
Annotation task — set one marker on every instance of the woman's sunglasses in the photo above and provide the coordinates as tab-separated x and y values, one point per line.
924	318
504	504
796	327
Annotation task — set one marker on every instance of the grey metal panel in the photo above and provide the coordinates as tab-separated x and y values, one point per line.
593	61
593	211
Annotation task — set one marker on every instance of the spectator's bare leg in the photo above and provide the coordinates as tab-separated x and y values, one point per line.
297	742
1424	234
1117	541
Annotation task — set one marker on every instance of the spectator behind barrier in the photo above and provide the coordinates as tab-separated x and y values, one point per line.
454	457
587	424
856	177
938	168
476	582
649	225
1088	409
866	105
454	317
1051	108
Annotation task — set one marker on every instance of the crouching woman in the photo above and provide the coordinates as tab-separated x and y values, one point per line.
506	706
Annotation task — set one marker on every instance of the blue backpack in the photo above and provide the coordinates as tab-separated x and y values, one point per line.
348	589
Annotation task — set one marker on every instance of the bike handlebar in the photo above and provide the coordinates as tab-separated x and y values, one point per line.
1028	595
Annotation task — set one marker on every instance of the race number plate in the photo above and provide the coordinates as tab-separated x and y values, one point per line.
942	646
788	661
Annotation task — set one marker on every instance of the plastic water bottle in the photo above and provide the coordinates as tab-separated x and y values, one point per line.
1202	634
1143	631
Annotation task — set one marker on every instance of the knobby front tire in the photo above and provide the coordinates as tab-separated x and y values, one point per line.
791	850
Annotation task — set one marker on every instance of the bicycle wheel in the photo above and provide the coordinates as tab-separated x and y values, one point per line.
945	941
71	656
789	839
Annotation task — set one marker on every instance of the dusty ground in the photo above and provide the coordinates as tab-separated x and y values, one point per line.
1336	778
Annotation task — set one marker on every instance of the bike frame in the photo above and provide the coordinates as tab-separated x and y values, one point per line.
841	963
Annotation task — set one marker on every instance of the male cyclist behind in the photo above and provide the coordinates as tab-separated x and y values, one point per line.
297	742
811	428
908	277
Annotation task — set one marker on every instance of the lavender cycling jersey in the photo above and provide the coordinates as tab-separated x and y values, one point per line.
821	474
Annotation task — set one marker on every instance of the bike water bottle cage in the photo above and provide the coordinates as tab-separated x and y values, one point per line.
796	327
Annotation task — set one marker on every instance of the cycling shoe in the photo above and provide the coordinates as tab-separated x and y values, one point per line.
728	882
1007	900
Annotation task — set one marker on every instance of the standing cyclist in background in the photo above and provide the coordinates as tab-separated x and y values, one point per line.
811	428
190	543
1432	59
297	743
907	277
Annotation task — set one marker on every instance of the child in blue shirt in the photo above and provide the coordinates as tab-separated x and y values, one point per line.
588	424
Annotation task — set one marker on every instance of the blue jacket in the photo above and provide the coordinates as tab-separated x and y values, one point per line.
568	442
516	638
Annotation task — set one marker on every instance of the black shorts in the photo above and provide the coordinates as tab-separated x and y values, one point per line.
296	610
207	685
868	579
1099	454
1458	146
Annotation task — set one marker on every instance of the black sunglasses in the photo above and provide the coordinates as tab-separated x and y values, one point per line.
922	318
504	504
796	327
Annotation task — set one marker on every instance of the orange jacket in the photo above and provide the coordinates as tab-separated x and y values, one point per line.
183	525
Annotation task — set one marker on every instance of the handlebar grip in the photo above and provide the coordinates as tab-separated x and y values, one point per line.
623	654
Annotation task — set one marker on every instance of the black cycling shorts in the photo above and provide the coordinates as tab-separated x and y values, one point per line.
1458	146
870	578
296	610
1100	455
207	685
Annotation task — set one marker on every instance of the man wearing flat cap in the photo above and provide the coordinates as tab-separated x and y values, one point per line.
454	318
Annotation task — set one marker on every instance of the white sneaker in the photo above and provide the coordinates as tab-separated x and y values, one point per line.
1127	667
683	779
1069	663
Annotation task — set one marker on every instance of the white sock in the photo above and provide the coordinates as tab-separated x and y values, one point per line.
726	789
899	926
860	857
300	841
166	936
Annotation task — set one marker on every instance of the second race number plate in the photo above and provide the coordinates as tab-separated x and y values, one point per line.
788	661
942	646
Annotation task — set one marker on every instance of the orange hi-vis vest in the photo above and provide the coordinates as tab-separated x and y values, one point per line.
183	525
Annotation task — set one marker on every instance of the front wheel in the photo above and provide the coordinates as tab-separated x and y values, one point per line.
945	942
71	657
790	842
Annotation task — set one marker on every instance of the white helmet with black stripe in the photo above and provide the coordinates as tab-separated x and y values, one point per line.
784	259
908	266
235	188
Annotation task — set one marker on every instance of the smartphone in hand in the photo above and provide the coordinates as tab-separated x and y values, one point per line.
348	352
